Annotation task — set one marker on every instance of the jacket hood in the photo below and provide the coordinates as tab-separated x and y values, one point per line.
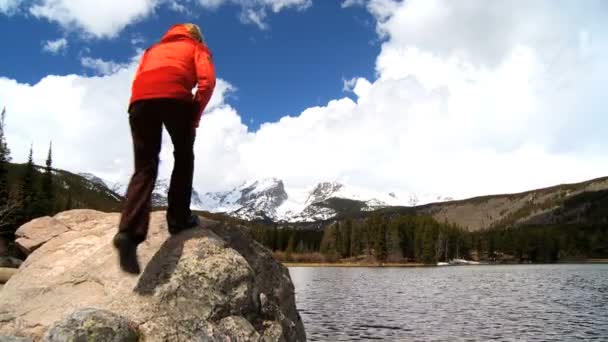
176	32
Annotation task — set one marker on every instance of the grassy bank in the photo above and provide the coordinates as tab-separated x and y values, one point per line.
316	259
350	264
598	261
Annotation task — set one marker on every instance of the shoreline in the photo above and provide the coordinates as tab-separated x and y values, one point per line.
372	264
350	264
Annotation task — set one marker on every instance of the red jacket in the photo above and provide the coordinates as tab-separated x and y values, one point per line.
171	69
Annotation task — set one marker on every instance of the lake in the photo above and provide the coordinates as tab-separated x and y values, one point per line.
461	303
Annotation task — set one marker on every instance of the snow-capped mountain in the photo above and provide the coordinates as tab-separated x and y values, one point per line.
94	179
250	200
159	194
268	199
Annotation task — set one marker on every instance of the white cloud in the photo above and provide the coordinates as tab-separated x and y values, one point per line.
9	6
254	16
110	19
275	5
55	46
138	40
466	102
352	3
254	11
101	66
177	7
99	21
86	119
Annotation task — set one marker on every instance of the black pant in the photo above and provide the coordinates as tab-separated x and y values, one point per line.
146	119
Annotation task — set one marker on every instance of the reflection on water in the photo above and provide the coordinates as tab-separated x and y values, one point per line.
468	303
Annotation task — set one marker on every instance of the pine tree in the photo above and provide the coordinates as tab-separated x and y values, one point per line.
339	241
47	184
27	193
69	205
380	243
4	160
348	234
291	245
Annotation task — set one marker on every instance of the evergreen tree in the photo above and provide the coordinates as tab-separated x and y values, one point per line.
380	243
4	160
347	236
47	185
291	245
339	240
29	206
69	205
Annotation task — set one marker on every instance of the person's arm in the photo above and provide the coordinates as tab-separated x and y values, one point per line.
205	73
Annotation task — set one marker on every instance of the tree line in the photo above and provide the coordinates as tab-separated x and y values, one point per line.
403	238
31	196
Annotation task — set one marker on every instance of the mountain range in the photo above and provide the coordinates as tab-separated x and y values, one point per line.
268	200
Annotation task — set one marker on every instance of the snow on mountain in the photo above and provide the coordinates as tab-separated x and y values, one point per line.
250	200
269	199
93	179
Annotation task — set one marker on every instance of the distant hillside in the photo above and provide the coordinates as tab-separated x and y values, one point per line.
581	203
73	190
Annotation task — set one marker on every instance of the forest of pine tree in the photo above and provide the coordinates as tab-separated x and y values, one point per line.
31	197
378	237
421	239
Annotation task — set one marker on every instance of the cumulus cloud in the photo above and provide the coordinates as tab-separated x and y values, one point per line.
87	120
255	11
9	6
102	67
466	102
99	21
55	46
254	16
275	5
352	3
110	19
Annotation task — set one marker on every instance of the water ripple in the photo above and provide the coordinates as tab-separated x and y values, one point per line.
481	303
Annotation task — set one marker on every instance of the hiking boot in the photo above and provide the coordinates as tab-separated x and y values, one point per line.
177	227
127	251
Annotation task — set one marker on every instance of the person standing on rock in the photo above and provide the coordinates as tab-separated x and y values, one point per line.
161	94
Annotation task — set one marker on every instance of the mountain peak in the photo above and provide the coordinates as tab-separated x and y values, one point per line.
323	191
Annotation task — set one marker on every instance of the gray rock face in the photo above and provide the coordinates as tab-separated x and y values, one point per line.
14	339
212	283
92	325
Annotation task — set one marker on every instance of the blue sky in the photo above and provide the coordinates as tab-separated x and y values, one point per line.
299	60
417	97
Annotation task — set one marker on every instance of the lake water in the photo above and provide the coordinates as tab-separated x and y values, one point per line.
466	303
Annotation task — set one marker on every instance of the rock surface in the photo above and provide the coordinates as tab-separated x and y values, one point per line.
6	274
212	283
37	232
92	324
14	339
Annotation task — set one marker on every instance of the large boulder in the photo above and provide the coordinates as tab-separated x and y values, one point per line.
211	283
37	232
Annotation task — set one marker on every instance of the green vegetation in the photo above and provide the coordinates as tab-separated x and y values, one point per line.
567	225
421	239
28	191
